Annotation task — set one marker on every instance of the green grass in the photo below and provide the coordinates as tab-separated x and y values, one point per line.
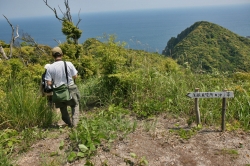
233	153
24	107
4	159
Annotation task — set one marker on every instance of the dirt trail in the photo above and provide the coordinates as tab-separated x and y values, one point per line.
158	147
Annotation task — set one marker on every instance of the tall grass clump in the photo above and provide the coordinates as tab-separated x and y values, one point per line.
89	92
23	107
239	110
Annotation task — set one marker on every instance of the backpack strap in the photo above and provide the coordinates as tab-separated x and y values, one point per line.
66	72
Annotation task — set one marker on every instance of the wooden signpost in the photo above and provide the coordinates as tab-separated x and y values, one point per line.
224	94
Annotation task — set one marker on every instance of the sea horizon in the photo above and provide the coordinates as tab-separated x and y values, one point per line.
148	30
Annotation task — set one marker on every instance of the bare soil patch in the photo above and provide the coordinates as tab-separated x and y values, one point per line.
158	147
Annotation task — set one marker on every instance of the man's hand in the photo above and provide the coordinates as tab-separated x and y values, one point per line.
49	83
74	76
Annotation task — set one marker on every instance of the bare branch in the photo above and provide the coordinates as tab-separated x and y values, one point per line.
79	19
67	14
17	35
53	9
9	22
27	38
58	42
12	36
64	16
66	2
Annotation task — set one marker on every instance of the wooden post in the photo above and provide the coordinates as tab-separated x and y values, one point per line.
197	111
223	115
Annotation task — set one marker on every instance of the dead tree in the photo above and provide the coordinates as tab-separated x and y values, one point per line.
27	38
12	35
75	34
3	53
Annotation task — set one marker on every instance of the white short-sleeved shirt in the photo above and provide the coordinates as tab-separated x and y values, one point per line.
56	73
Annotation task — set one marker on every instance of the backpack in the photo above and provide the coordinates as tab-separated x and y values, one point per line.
45	87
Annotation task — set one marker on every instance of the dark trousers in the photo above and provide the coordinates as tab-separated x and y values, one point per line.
74	104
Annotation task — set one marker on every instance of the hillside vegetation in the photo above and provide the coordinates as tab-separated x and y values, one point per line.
206	46
120	86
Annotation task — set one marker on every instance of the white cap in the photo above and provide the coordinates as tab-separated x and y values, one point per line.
46	66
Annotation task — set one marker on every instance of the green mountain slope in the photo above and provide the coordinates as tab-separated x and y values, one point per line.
206	46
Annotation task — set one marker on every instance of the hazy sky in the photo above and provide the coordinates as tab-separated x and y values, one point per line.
26	8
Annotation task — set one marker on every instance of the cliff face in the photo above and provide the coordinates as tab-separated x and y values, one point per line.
207	46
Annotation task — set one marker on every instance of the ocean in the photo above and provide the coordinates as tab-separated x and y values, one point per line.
147	30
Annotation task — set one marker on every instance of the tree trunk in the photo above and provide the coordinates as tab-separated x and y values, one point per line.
3	53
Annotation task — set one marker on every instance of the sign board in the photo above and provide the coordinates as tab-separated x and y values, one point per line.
226	94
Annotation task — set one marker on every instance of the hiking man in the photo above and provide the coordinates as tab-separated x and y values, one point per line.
56	76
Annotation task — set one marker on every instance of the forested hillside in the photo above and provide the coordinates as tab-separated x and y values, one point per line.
205	46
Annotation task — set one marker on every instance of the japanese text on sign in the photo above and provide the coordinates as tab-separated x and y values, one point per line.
227	94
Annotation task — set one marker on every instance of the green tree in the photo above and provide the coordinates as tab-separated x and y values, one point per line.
72	31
